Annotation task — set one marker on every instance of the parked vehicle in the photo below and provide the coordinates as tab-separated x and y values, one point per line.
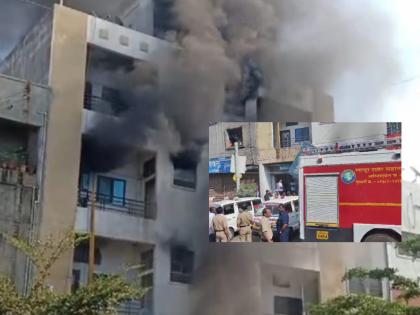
351	196
291	204
231	209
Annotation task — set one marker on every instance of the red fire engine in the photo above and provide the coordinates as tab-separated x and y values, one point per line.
352	196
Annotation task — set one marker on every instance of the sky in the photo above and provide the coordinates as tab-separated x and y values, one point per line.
403	101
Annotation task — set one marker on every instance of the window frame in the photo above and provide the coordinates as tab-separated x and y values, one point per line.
301	138
183	258
112	196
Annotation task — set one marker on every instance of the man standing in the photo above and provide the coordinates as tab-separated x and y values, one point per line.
220	226
212	236
282	224
244	222
266	230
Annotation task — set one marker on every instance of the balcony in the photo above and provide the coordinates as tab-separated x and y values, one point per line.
117	218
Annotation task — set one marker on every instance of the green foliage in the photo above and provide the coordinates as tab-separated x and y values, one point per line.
101	296
411	246
247	190
359	304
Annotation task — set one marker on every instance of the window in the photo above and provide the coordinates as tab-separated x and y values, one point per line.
247	204
182	263
285	138
228	209
366	286
81	254
287	306
257	204
234	135
147	259
393	128
288	124
149	167
111	190
302	134
113	96
185	169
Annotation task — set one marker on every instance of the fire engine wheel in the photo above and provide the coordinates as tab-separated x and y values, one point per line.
380	237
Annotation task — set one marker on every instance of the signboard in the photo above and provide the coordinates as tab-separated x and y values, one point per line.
219	165
242	164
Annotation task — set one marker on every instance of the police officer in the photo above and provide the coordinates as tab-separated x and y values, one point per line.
266	230
244	222
220	226
282	224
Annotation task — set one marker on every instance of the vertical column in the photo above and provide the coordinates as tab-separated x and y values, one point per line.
62	156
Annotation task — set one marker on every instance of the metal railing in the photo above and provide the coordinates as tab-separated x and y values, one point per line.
106	202
102	105
130	308
387	144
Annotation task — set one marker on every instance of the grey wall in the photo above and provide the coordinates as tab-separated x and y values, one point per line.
15	220
29	60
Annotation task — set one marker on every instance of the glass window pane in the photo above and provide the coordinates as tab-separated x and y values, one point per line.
104	189
118	192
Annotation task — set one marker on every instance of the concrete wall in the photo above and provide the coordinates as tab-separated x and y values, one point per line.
16	219
29	60
324	134
18	106
67	80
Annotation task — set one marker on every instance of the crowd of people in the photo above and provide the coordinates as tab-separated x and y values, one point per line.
219	228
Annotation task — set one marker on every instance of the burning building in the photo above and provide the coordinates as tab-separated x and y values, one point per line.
133	86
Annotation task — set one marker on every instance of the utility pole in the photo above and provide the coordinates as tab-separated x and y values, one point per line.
91	269
237	173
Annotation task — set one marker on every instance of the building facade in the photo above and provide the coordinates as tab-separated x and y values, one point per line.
73	54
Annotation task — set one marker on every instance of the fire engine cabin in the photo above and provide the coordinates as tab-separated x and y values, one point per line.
351	196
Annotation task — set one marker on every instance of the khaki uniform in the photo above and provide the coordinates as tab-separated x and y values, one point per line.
220	226
266	227
244	223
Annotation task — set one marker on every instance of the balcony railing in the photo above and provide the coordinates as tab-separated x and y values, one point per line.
128	206
105	106
130	308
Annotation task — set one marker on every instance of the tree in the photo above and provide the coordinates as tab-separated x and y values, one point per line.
362	304
101	296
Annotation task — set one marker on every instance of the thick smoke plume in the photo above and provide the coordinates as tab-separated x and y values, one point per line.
225	49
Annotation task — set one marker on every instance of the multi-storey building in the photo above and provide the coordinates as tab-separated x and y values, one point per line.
72	52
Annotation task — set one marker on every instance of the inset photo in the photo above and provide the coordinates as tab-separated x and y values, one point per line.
304	182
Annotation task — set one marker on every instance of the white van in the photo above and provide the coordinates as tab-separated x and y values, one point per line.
291	205
231	209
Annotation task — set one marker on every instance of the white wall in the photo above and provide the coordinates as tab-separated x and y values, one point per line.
411	207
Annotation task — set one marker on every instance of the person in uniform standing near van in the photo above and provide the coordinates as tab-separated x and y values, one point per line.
244	222
220	226
282	224
266	230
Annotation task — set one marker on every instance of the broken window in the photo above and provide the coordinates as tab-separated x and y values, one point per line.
185	169
234	135
182	264
287	305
